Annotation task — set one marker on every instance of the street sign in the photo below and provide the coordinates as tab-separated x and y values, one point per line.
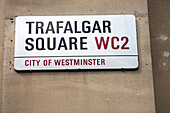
75	42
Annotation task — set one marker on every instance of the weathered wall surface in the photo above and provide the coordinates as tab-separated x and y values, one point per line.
159	16
82	91
2	23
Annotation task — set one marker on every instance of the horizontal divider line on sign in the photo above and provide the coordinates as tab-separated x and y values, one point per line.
78	56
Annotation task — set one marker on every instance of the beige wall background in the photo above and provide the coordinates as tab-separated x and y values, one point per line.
2	19
78	91
159	16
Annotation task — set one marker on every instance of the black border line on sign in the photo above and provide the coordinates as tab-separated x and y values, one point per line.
77	56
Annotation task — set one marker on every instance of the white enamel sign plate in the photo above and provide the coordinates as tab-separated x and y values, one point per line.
75	42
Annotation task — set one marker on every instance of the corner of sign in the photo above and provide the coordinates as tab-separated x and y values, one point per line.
16	68
136	66
18	17
133	16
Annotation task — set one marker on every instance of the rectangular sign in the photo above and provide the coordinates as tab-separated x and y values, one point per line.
75	42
